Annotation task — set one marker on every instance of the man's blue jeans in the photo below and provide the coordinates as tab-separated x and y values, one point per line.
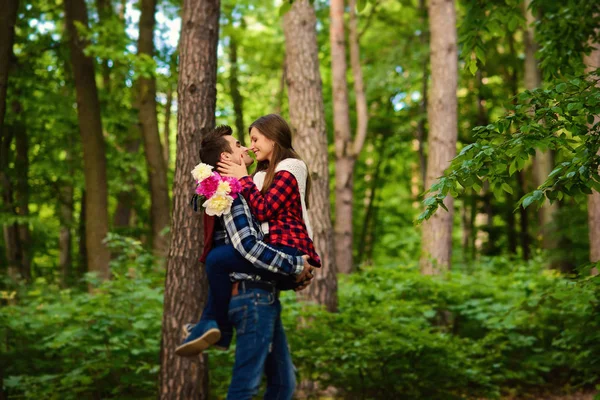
261	347
221	261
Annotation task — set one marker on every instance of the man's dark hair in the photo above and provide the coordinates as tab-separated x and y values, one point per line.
214	143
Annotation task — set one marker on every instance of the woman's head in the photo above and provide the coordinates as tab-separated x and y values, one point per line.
271	142
271	139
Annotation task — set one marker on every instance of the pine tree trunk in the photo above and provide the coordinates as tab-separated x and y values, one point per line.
155	164
593	62
94	157
236	96
421	132
344	159
443	130
307	118
543	161
8	18
185	286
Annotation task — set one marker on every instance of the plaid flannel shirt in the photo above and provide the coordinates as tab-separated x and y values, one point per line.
243	232
281	207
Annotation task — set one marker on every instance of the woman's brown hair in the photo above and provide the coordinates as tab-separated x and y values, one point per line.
275	128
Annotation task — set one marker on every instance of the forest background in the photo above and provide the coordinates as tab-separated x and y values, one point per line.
486	108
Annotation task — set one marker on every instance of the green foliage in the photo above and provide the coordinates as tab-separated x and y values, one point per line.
397	334
560	118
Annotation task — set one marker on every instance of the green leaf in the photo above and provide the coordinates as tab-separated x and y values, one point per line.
527	201
590	119
285	7
561	87
360	5
507	188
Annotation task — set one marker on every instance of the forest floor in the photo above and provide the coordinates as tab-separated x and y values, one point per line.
587	395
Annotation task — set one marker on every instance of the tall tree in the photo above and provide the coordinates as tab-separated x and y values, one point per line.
307	118
543	162
155	163
8	19
443	130
90	127
234	84
185	286
346	150
592	63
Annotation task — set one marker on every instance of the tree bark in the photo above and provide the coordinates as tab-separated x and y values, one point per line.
81	229
346	150
22	195
543	161
65	212
8	20
592	62
234	88
307	118
185	286
421	132
10	231
105	11
94	157
167	125
443	131
155	164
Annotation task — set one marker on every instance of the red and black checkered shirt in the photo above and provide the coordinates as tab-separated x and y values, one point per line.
280	206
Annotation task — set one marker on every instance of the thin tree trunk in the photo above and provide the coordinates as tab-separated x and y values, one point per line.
167	125
307	118
421	132
105	11
10	231
8	18
281	93
185	286
65	212
543	161
443	131
593	62
82	247
157	172
22	195
236	96
94	157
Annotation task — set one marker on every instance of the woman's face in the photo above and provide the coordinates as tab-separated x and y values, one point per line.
261	145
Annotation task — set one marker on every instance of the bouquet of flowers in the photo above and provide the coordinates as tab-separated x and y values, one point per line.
215	191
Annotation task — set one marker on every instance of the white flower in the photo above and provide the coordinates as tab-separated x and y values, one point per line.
201	172
223	188
218	204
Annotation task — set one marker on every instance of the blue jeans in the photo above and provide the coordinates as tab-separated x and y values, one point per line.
261	347
220	262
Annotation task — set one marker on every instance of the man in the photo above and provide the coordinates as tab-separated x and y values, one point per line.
254	309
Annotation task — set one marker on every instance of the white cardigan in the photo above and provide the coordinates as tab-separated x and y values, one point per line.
298	169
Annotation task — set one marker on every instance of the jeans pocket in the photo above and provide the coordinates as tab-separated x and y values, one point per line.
264	299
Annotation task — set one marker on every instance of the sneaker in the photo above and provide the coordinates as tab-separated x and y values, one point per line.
223	343
202	336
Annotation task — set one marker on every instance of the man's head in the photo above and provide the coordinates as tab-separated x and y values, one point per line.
219	144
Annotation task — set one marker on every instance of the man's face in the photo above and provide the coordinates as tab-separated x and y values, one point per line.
237	150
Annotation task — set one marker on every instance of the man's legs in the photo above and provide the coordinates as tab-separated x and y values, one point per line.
281	379
254	313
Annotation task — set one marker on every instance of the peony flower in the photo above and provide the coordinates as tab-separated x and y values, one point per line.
201	172
218	204
234	184
208	186
223	188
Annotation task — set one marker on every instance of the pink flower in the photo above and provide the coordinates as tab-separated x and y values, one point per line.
208	186
236	186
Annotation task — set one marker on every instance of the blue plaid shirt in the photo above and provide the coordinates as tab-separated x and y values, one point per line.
243	232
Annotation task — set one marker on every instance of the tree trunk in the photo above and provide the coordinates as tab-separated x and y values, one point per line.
344	162
65	212
22	195
443	131
94	157
105	11
421	131
167	125
10	231
281	93
524	220
593	62
157	172
307	118
543	161
81	229
8	19
236	96
185	286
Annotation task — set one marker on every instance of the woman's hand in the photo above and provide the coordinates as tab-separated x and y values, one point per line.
229	168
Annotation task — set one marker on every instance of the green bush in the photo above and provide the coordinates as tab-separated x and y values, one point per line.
503	327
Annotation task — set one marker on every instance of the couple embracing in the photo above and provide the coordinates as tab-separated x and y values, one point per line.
257	242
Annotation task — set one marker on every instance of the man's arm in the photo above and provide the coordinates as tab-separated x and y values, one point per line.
246	238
